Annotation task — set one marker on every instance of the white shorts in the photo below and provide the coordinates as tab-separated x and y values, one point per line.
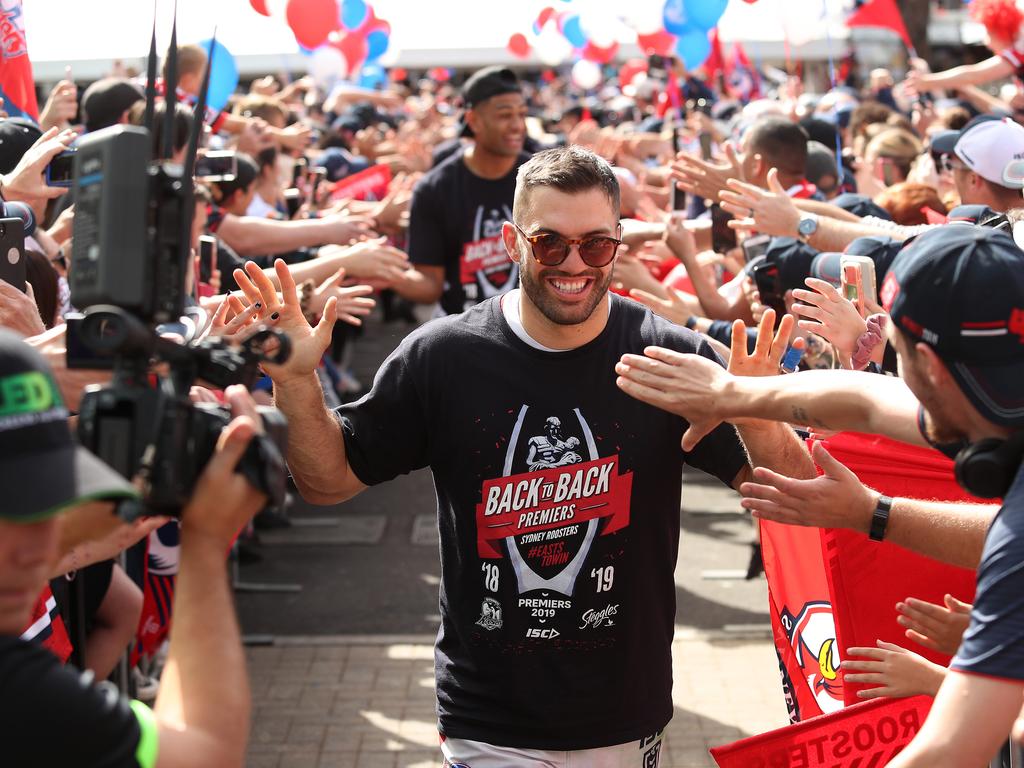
463	753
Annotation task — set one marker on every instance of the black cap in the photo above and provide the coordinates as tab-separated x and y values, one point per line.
976	213
489	82
860	205
960	289
106	100
42	470
794	258
17	135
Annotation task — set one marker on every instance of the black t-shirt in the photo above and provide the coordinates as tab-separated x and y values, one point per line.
50	715
455	222
994	642
558	511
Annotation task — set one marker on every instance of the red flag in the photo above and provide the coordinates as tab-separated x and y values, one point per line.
867	578
868	734
46	626
369	184
881	13
714	65
17	86
743	80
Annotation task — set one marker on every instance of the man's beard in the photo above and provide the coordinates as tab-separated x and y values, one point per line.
534	286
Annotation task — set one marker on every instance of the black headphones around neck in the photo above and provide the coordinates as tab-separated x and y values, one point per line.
988	467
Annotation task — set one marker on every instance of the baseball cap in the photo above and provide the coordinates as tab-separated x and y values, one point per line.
989	148
485	84
943	142
960	289
17	135
42	470
860	205
106	100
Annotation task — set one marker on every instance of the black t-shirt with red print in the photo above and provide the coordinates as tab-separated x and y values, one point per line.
455	222
558	511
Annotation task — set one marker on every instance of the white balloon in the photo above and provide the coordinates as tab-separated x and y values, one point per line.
277	8
327	66
645	16
551	47
601	28
586	74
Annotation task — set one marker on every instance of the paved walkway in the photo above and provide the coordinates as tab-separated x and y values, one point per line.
342	702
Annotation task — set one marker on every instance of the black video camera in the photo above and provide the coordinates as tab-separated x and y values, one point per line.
132	233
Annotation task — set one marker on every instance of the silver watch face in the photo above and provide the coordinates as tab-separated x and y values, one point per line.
807	227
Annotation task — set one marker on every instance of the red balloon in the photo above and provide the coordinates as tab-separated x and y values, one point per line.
312	20
544	17
353	48
548	76
440	74
518	45
398	74
660	42
631	69
260	6
592	52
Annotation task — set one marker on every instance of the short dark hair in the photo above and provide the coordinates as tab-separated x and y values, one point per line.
571	169
782	144
246	172
182	123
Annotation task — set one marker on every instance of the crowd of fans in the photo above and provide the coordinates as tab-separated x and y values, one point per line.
733	215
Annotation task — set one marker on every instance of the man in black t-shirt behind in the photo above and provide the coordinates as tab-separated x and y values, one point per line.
56	496
558	494
458	208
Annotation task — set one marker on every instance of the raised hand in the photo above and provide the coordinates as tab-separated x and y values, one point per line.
895	671
768	351
832	316
285	314
353	302
770	211
836	499
938	627
667	303
706	178
26	182
61	106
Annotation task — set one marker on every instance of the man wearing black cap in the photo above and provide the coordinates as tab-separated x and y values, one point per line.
106	102
458	208
956	300
57	495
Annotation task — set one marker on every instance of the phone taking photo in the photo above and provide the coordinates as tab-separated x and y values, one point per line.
61	170
207	257
754	246
857	276
12	253
217	165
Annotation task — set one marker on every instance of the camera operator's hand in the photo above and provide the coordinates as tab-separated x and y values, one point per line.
26	182
18	311
284	313
940	628
61	106
224	500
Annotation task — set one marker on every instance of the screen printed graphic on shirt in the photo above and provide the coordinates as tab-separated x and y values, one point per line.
556	497
485	269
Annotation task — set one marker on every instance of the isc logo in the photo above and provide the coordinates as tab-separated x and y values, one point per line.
547	634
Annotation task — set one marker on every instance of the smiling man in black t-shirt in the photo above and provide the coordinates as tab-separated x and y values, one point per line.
558	494
458	208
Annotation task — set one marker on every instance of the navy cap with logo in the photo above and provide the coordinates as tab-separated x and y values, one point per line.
42	470
960	289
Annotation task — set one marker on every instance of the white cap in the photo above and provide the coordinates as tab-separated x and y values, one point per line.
988	148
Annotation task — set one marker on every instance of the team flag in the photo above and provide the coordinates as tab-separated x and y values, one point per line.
17	86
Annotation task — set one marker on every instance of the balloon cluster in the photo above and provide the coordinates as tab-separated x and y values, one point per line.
589	33
344	39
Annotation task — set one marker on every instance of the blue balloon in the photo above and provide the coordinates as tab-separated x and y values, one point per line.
693	47
353	13
373	76
674	16
574	32
376	44
704	14
223	74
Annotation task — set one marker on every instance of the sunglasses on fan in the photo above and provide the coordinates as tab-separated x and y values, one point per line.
551	249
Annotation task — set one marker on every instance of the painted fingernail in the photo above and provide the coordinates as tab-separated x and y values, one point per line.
274	315
257	305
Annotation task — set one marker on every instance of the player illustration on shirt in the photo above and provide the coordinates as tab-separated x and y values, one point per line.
485	268
549	450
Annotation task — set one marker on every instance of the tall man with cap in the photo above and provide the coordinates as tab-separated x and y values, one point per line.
956	299
56	496
459	207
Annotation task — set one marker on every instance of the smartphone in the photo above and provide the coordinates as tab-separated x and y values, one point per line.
317	174
12	253
217	165
207	257
723	237
60	172
857	275
769	287
755	246
678	198
298	171
705	145
292	201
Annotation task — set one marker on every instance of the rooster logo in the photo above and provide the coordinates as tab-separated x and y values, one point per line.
812	635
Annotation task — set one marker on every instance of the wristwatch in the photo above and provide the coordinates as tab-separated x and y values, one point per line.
807	227
880	519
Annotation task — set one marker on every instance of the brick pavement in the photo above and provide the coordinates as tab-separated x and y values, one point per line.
341	702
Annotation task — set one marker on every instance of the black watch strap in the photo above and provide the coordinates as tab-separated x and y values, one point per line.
880	519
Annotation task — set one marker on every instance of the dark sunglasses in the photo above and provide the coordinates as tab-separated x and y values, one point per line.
551	249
